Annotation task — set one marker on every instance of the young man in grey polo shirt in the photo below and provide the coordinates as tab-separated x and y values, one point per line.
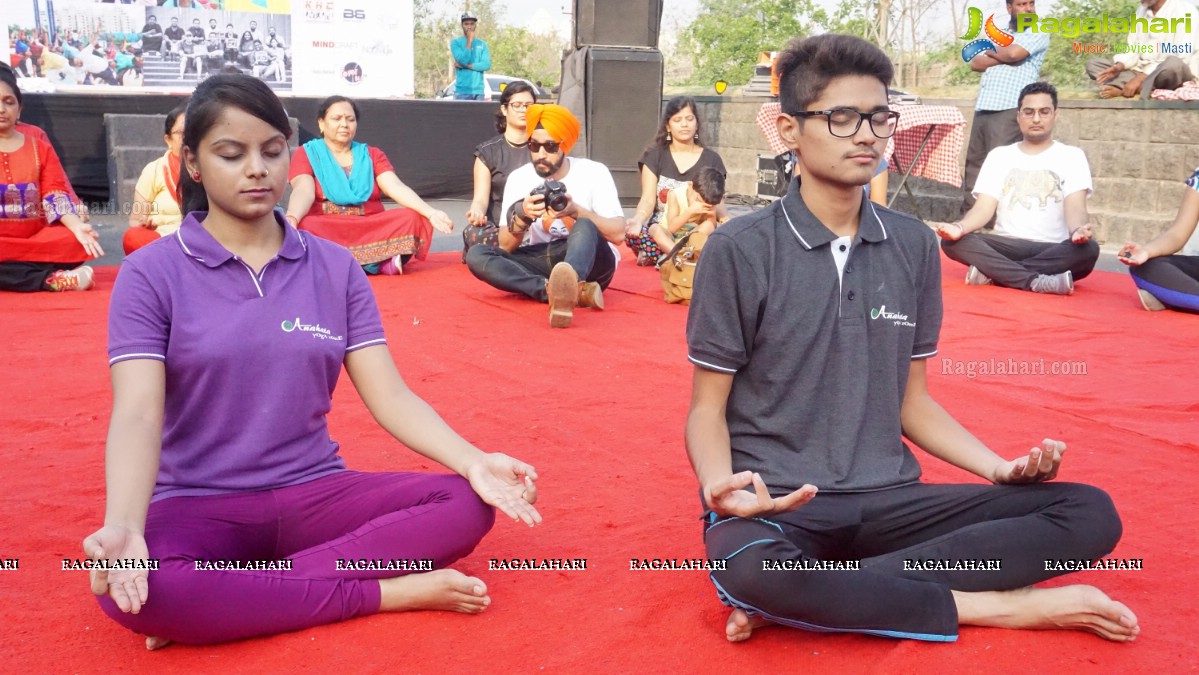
809	329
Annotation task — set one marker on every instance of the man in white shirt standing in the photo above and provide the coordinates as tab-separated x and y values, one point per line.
561	221
1037	189
1153	60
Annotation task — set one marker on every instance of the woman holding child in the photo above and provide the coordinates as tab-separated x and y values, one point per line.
674	158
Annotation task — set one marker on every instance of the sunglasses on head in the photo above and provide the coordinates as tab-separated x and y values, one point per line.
550	146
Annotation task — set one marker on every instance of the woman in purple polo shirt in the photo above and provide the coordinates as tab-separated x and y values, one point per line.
226	340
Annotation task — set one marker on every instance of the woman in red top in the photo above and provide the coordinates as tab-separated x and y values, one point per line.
337	194
43	241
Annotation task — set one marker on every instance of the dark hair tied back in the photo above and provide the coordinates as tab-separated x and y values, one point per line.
673	107
7	76
513	88
173	117
323	108
210	100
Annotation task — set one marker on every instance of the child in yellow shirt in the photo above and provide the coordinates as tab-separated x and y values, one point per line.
690	207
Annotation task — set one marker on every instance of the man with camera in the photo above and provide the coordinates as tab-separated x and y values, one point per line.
560	223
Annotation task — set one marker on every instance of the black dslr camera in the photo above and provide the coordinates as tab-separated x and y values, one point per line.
554	193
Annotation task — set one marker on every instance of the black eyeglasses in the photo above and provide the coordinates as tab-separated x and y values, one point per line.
550	146
845	122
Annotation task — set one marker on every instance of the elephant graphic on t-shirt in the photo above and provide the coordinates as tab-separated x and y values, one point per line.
1028	187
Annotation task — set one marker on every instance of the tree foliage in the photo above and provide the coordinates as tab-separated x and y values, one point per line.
1067	70
1062	68
854	17
515	50
533	56
725	38
960	72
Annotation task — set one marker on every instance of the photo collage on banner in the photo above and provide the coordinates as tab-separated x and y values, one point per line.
169	45
182	46
311	47
75	42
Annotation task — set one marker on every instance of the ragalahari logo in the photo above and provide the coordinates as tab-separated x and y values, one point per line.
995	39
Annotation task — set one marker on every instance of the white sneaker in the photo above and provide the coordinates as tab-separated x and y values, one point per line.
79	279
1149	302
976	278
1057	284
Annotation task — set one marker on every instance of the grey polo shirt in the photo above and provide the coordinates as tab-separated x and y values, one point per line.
820	363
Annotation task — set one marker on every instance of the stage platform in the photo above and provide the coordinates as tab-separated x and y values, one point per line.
430	143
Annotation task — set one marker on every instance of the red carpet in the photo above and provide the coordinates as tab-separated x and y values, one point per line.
599	410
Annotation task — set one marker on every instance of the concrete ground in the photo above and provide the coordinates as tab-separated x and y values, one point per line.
112	228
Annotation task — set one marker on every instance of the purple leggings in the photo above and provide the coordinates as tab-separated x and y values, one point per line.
346	516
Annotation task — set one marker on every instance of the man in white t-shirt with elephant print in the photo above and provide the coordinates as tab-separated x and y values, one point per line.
1037	190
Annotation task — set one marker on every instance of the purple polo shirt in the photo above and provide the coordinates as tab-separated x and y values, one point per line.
251	360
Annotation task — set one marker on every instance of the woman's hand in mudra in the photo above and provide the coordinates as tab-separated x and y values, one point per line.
87	237
128	588
507	484
441	221
476	217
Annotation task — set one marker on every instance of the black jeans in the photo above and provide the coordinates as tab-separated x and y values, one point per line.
897	537
1014	263
28	277
526	269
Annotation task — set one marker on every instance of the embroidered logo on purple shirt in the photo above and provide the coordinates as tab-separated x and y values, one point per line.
314	329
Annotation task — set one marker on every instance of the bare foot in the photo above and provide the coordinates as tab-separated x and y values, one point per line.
1110	91
447	590
1134	85
155	643
741	625
1068	608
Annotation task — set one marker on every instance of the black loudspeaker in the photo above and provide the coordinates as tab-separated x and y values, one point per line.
618	23
623	103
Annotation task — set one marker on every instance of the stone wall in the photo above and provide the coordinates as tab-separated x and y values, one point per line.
1139	152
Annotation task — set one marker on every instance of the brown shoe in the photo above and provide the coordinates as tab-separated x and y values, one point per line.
563	291
591	295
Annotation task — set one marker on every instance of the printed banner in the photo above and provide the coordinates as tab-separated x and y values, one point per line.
361	48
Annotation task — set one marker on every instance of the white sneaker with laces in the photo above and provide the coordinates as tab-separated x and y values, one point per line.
1056	284
79	279
976	278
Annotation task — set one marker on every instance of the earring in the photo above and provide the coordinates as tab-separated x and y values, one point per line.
196	176
668	138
